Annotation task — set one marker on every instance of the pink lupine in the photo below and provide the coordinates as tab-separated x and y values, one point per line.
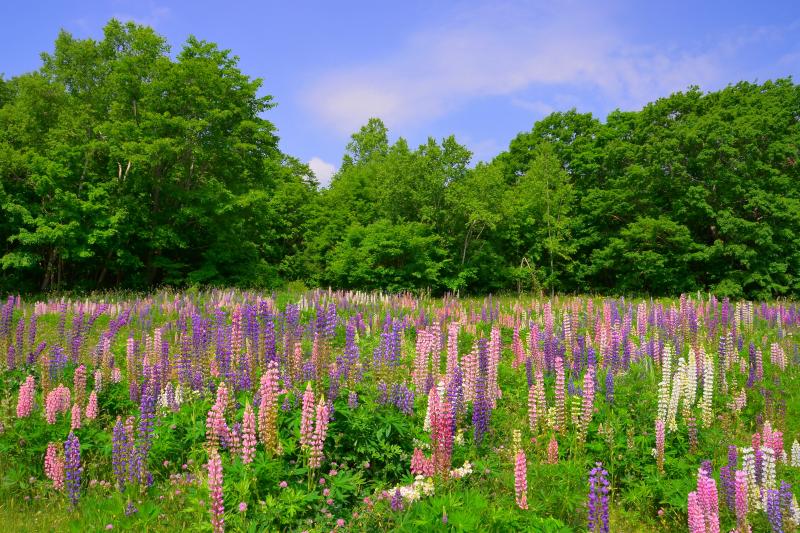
215	489
421	465
116	375
709	501
216	426
696	521
552	451
660	444
441	431
58	401
307	418
75	422
248	435
495	348
79	383
741	500
521	479
533	413
98	380
517	348
26	393
268	408
452	348
320	433
561	406
54	465
91	407
588	403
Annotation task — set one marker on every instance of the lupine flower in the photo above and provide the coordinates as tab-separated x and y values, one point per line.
660	444
320	432
521	479
552	451
79	383
696	521
561	406
740	480
441	430
481	407
307	418
397	500
25	401
76	417
73	468
119	455
774	513
54	466
57	401
217	430
421	464
588	403
91	407
598	500
248	435
268	408
217	508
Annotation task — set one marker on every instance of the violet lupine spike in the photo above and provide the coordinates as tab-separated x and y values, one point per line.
73	468
598	500
481	407
119	454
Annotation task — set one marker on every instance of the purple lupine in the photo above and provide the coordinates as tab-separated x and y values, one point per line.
351	352
481	407
383	395
57	362
598	500
397	500
455	393
33	355
403	398
119	459
144	432
72	467
751	376
786	496
352	399
268	334
610	386
774	512
20	337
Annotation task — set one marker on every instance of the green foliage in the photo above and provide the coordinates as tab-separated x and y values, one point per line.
123	165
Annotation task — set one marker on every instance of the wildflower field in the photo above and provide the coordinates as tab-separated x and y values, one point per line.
347	411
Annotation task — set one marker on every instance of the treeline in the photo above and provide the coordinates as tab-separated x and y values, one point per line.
122	166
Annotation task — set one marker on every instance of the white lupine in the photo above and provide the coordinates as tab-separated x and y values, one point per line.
795	512
777	356
690	381
664	385
98	380
749	466
796	453
708	392
731	355
677	387
768	479
178	395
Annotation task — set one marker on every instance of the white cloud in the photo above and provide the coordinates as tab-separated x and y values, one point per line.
501	51
151	14
322	170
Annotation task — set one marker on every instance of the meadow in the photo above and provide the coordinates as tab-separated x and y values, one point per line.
355	411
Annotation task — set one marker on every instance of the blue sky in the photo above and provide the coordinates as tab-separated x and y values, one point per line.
483	71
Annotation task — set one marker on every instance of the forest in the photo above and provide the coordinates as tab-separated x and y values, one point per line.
127	165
